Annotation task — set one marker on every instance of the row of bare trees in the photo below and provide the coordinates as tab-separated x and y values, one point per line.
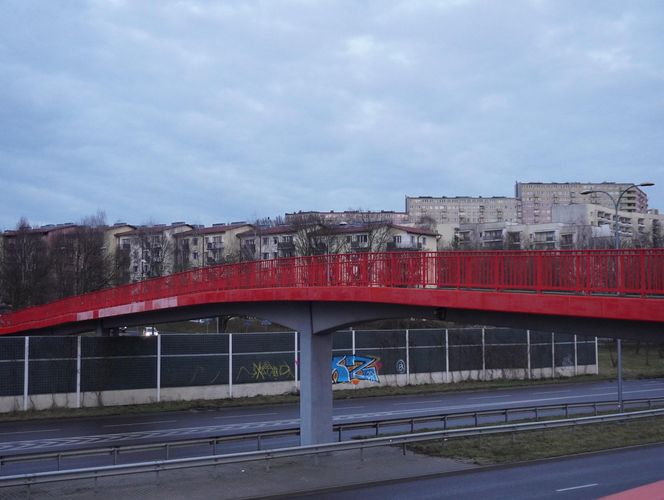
315	234
36	268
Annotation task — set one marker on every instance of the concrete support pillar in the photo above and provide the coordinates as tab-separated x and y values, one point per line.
315	387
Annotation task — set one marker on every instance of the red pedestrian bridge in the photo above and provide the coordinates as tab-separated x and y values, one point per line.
621	285
610	293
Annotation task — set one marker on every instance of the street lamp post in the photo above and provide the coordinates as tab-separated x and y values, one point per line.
616	232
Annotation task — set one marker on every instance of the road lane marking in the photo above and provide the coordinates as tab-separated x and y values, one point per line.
577	487
493	397
349	408
644	390
416	403
28	432
552	392
141	423
247	415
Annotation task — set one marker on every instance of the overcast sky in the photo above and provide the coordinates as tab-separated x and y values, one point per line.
210	111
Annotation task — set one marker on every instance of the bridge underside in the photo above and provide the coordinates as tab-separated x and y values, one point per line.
317	320
315	312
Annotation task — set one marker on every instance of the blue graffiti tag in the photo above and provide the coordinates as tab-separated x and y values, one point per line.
351	369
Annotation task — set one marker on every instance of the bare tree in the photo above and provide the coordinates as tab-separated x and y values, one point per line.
152	251
25	268
78	258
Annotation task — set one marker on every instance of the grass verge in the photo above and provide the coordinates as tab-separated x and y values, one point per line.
550	443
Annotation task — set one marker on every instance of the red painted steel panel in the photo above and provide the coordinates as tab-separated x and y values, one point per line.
590	283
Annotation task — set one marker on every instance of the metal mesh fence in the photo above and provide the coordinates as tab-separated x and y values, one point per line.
389	346
52	366
190	360
263	357
117	363
11	366
427	351
121	363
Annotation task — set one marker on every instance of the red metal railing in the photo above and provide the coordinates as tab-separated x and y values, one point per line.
625	272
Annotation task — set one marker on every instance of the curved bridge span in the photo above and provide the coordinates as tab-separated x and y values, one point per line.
613	293
613	285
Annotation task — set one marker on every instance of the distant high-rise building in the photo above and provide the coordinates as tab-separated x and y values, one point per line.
461	209
536	199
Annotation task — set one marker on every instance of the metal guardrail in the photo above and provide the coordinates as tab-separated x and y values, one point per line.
184	463
445	420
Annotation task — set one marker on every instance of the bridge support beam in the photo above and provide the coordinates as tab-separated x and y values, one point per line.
315	387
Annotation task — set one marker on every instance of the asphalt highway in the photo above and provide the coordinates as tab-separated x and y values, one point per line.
581	477
22	437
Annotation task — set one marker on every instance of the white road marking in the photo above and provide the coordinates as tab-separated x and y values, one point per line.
642	390
141	423
350	407
551	392
417	403
493	397
578	487
246	415
28	432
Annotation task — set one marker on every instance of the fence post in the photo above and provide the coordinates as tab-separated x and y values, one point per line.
230	365
295	360
78	371
553	355
530	372
26	355
447	356
576	360
483	357
407	356
596	358
158	368
353	340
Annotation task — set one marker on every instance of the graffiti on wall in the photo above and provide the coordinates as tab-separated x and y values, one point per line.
352	369
266	371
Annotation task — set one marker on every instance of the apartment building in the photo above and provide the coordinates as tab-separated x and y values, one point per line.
636	228
289	241
151	250
511	236
261	242
537	199
381	238
207	246
347	217
460	209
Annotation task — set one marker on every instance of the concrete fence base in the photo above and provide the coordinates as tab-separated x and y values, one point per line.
144	396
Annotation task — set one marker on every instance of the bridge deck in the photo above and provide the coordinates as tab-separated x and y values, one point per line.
623	284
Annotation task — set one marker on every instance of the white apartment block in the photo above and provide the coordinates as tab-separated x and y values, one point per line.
151	249
537	199
261	243
511	236
635	228
208	246
289	241
461	209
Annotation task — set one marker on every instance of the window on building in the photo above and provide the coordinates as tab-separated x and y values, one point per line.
194	255
194	241
397	239
266	255
274	255
266	240
363	238
275	240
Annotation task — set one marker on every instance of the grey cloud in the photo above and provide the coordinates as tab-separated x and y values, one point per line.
224	111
